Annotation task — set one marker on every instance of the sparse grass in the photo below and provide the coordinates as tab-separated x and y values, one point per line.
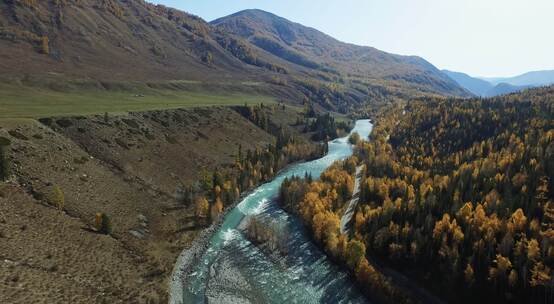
34	102
341	117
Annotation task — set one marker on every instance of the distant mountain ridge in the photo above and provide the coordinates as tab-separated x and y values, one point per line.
533	78
476	86
488	87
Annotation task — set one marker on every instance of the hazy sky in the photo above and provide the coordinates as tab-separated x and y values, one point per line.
479	37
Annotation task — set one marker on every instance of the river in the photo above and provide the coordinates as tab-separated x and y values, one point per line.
232	270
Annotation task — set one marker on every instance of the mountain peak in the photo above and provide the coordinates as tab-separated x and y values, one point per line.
254	11
308	48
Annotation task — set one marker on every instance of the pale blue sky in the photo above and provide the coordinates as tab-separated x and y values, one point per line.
478	37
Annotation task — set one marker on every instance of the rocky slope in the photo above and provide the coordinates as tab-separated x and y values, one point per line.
127	167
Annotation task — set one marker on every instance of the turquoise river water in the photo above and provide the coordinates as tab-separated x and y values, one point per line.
232	270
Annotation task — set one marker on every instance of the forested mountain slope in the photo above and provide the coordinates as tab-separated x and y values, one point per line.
457	194
309	48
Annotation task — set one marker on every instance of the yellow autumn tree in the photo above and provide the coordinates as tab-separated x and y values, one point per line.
44	45
201	207
518	220
533	250
469	274
540	275
355	251
216	210
512	278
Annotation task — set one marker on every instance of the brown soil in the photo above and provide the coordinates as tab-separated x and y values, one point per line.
128	168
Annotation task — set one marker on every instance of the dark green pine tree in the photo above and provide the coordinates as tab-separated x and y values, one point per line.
4	165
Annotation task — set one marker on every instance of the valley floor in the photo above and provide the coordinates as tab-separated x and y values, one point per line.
22	101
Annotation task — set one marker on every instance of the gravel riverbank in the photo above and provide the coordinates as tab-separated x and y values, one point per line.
193	256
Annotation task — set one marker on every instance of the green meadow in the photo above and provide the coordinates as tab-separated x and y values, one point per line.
18	101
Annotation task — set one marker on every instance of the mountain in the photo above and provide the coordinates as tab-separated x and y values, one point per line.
505	88
117	44
112	40
484	88
534	79
308	48
476	86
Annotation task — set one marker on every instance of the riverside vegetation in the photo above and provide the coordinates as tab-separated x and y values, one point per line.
213	191
457	194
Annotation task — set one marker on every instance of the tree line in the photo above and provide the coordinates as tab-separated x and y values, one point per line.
214	190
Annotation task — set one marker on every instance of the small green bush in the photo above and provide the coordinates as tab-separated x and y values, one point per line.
208	58
354	138
46	121
64	123
80	160
18	135
56	197
103	223
4	165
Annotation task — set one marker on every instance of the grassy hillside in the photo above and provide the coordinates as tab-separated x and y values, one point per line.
137	42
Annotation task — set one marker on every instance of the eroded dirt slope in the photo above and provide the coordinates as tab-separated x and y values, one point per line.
126	166
164	148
